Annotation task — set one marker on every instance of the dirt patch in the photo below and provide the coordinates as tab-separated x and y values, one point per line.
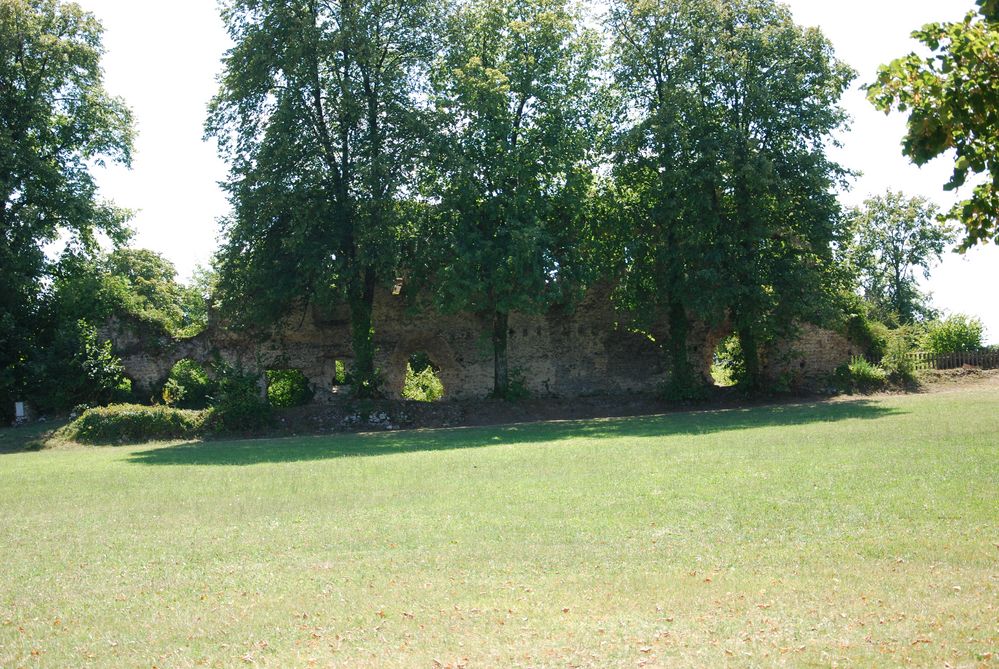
942	380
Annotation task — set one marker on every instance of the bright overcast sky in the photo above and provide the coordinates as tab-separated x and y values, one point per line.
163	59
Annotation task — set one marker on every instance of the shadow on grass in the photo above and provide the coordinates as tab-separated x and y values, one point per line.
27	438
296	449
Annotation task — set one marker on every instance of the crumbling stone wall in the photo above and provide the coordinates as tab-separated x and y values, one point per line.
587	350
807	361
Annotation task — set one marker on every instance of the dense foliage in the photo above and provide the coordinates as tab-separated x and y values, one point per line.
861	375
69	362
422	383
514	91
56	122
499	156
727	195
288	388
318	115
188	386
952	98
133	423
239	406
954	334
715	200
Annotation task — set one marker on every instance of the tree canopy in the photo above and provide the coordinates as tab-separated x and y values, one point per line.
891	238
664	211
351	143
516	97
318	114
722	162
56	122
952	98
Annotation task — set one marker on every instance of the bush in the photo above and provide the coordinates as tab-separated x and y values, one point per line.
952	335
123	394
860	375
74	367
134	423
288	388
422	386
238	406
896	361
871	335
727	364
173	393
189	386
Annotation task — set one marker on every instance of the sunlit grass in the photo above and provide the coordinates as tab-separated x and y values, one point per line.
852	533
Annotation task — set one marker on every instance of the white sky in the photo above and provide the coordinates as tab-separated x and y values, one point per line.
163	59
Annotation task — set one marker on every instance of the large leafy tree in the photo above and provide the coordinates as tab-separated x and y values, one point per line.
731	106
136	284
892	237
665	212
56	122
952	97
516	94
320	115
68	362
778	87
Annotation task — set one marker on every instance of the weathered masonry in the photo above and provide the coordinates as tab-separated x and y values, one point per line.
566	353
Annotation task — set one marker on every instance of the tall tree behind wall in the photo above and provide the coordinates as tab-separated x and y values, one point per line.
664	208
320	116
727	194
891	237
516	94
778	88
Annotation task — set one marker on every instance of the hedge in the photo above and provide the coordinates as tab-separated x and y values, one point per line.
134	423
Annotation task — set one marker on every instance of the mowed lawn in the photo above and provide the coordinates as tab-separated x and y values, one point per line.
852	533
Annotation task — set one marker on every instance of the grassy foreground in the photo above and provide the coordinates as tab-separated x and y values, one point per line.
852	533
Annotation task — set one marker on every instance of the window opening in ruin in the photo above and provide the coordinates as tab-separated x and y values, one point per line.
423	382
726	362
188	386
340	373
288	388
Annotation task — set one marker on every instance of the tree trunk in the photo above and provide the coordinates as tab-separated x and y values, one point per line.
751	358
362	298
681	382
501	370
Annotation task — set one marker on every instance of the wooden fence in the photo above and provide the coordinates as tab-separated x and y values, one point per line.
982	359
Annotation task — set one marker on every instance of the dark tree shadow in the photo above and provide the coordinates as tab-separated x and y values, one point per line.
294	449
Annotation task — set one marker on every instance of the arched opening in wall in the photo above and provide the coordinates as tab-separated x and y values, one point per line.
288	388
423	381
189	386
727	366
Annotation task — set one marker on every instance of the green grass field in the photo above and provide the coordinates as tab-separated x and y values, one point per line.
850	533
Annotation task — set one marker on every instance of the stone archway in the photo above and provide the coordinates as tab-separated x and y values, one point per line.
440	354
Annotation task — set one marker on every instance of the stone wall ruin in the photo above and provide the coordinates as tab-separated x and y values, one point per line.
575	352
